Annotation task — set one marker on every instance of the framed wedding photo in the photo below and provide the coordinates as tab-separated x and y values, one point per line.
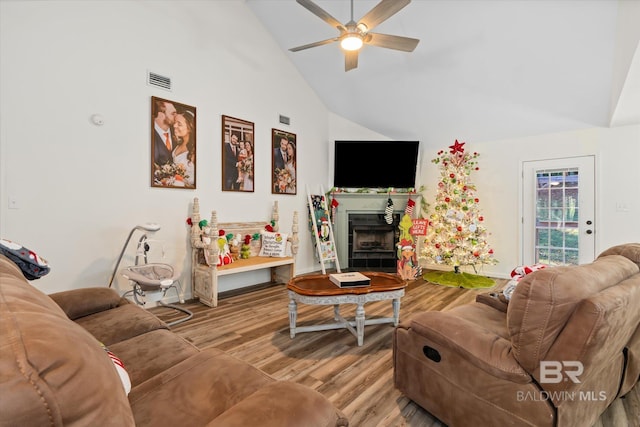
173	144
283	163
237	154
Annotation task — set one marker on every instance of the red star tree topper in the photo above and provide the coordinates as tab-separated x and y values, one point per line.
456	234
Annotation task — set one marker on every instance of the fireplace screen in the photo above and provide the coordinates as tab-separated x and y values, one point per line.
372	242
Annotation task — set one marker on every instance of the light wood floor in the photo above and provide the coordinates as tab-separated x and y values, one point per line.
254	327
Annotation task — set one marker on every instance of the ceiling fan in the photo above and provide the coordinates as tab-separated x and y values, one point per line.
353	35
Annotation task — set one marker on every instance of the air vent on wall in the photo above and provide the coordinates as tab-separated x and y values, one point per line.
284	120
154	79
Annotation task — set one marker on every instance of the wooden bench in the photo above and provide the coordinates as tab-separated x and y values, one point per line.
204	254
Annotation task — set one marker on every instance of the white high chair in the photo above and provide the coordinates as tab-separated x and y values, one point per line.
151	281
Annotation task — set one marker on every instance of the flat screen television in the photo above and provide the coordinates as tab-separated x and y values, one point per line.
375	164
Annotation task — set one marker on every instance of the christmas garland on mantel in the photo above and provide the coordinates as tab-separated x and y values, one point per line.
365	190
424	206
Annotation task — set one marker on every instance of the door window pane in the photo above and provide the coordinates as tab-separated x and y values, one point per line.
557	216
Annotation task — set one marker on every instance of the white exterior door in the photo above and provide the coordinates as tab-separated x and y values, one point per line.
558	220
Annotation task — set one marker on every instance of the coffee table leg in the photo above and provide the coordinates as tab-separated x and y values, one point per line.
360	323
396	311
336	312
293	314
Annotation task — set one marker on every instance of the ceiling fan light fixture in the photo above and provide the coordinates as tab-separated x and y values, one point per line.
353	35
351	42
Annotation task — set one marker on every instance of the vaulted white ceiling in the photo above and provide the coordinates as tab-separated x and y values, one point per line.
483	70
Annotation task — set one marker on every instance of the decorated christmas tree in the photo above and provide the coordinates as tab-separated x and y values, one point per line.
456	234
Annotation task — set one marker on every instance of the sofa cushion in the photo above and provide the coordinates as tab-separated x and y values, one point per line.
544	300
199	389
283	404
149	354
86	301
120	323
52	372
213	384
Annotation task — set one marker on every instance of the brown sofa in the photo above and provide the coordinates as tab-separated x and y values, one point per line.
54	371
557	354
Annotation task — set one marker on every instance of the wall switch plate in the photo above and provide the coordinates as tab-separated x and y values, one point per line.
622	207
13	203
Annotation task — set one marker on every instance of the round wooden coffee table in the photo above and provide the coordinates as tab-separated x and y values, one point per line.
317	289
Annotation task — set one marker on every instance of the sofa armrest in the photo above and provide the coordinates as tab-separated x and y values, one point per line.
78	303
470	340
494	300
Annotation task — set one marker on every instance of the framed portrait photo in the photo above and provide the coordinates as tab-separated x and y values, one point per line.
173	144
283	164
237	154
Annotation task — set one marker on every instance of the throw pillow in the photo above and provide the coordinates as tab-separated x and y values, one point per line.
273	244
516	275
122	372
523	270
32	266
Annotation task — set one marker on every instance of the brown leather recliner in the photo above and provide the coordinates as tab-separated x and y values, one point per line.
566	345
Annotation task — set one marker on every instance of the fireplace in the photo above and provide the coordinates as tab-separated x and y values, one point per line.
362	203
372	242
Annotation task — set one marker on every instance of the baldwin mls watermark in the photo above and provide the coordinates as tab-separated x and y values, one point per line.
554	372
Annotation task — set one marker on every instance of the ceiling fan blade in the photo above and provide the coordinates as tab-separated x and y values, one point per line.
406	44
310	45
381	12
350	59
322	14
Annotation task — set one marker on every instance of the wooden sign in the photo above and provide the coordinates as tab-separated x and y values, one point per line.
419	227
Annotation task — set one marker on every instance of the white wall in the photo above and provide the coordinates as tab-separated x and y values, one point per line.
80	188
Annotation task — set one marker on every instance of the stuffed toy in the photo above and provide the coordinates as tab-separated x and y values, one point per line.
224	256
408	267
234	249
245	250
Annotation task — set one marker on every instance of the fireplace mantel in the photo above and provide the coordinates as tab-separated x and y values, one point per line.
352	203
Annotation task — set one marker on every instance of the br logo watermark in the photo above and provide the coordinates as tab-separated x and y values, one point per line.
553	372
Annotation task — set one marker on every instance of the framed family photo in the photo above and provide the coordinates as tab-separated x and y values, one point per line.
237	154
173	144
283	163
